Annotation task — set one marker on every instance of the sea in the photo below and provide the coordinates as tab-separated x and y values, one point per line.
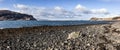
19	24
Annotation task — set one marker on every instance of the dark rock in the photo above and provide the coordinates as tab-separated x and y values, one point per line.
10	15
117	18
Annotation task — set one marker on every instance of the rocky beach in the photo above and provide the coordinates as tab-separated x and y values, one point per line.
59	25
74	37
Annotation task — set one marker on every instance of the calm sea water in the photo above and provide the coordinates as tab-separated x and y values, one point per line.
18	24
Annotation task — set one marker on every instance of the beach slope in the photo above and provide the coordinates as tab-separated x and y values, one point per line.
79	37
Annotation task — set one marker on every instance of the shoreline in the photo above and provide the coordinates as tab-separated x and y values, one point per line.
7	24
57	25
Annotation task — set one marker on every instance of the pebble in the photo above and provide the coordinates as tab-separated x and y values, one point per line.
88	44
8	46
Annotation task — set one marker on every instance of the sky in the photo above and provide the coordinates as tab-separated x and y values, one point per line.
64	9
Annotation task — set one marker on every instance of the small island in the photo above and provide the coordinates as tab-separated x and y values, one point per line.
116	18
11	15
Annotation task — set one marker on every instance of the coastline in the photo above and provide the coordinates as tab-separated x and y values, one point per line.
82	37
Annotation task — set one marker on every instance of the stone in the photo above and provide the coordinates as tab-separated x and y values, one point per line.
73	35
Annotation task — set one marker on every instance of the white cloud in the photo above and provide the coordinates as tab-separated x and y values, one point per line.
46	13
20	6
100	11
4	8
58	8
110	15
81	9
58	13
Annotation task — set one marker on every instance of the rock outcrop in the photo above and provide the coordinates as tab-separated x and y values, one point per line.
106	19
10	15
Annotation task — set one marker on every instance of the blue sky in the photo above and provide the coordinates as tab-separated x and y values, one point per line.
96	8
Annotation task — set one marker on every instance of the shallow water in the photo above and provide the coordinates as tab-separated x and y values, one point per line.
18	24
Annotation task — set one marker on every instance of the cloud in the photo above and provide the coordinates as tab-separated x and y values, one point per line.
81	9
4	8
58	8
46	13
58	13
20	6
100	11
84	10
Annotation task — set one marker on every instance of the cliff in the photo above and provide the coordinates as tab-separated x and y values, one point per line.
10	15
81	37
106	19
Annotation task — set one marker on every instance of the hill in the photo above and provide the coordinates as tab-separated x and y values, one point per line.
11	15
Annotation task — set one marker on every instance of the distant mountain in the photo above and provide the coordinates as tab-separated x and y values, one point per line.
106	19
10	15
